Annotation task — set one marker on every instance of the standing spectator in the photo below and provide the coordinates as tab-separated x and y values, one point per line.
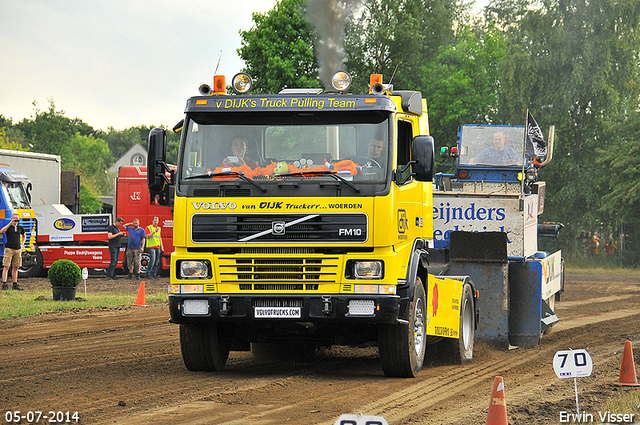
12	252
610	248
135	246
155	247
114	234
595	244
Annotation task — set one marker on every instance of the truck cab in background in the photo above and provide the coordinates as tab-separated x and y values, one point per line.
14	200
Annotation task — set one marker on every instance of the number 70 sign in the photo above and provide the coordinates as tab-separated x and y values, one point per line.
572	364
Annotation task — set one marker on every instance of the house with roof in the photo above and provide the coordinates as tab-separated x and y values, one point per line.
137	155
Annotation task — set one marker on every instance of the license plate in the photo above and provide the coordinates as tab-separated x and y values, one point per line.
277	312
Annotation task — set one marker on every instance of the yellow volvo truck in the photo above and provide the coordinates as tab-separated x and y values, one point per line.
305	218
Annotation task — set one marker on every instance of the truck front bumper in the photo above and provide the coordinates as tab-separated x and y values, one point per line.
293	308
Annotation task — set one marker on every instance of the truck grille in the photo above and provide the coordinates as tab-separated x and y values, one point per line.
277	273
247	228
273	302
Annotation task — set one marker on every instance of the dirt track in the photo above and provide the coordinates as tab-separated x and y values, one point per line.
124	366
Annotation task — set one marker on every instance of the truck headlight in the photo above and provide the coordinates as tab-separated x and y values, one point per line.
367	269
195	269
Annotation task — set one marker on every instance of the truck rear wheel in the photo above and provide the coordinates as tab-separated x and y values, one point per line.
203	347
460	350
402	347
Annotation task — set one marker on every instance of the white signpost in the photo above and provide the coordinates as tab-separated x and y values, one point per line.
85	275
573	364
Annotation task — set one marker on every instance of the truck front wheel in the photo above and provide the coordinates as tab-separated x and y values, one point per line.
402	347
33	270
203	347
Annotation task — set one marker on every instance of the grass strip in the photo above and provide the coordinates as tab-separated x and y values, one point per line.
593	271
30	302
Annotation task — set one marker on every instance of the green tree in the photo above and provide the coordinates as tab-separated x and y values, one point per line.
88	157
50	131
173	144
397	38
621	201
89	202
462	84
5	122
278	50
574	64
620	184
120	141
5	143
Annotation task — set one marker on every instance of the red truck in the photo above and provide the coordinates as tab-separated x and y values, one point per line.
82	238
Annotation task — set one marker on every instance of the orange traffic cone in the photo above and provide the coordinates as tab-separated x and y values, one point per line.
140	298
628	369
498	405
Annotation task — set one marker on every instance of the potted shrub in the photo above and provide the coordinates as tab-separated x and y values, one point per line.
65	276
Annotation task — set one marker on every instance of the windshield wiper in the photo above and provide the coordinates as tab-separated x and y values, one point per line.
323	173
229	173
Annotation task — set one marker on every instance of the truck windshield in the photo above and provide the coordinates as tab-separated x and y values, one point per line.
271	147
15	195
491	145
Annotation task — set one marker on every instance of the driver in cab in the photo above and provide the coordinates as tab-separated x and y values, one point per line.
375	150
374	167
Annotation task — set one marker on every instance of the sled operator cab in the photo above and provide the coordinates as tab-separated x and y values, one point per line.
486	225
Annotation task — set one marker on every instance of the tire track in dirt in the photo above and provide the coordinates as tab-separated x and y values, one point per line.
98	358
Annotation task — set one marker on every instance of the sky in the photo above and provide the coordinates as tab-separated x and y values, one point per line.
117	63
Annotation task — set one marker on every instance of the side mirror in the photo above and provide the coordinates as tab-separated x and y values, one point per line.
156	160
423	154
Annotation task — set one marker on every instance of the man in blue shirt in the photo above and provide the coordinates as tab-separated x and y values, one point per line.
135	246
498	154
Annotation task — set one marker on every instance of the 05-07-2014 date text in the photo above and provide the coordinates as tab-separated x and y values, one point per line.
37	416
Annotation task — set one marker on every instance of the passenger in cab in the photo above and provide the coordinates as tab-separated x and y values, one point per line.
238	156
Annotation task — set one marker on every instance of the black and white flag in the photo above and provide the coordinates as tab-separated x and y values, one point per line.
536	146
